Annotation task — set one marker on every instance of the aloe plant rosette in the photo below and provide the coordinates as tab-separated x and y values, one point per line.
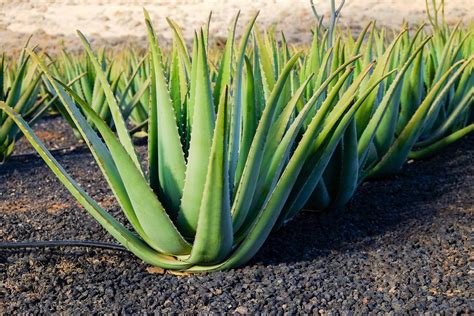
415	112
19	87
123	76
213	192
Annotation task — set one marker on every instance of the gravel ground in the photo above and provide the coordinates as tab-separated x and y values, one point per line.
54	132
403	244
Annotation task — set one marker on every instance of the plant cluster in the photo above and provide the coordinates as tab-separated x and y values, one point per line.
19	90
240	142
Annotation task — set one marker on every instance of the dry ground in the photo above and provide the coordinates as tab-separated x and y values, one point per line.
120	22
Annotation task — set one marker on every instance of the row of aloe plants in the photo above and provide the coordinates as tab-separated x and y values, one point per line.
24	87
240	142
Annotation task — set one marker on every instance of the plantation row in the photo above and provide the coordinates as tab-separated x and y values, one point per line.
240	140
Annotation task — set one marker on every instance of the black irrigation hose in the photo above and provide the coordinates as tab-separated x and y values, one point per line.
61	243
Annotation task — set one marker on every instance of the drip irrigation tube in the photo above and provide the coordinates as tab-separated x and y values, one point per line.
61	243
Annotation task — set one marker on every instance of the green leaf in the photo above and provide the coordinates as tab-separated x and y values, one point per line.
180	44
248	181
323	120
236	109
119	122
249	121
98	149
432	149
214	235
200	146
166	158
225	68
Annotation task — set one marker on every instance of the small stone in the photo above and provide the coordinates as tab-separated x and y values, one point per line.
155	270
241	310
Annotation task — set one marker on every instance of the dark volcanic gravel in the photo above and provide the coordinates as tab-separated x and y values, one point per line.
54	132
403	244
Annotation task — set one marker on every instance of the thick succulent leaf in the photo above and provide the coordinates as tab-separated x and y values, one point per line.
225	68
260	99
248	181
266	63
390	99
181	44
8	130
348	168
269	215
192	93
134	195
443	63
119	122
236	109
270	175
322	112
412	92
249	120
28	95
438	113
205	30
366	111
135	101
98	100
105	112
166	158
128	89
308	180
200	146
466	83
360	40
432	149
214	235
385	132
17	84
280	126
175	85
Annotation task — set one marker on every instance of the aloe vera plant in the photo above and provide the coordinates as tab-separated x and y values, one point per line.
452	117
415	112
435	105
19	87
128	85
204	206
346	167
240	140
133	89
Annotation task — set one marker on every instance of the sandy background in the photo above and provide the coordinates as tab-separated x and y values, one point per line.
118	23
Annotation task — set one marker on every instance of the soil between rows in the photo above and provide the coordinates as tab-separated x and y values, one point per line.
402	244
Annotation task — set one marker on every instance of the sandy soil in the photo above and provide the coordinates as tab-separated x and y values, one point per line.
118	23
